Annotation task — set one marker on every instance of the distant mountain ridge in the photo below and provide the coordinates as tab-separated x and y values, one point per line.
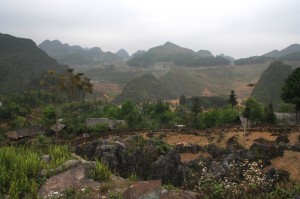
21	63
294	48
76	55
122	54
177	55
291	53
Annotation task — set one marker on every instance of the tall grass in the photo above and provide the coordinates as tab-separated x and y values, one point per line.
20	166
101	172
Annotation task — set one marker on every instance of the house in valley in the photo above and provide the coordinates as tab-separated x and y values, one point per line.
110	123
23	132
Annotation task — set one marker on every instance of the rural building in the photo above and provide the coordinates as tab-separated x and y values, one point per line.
57	127
23	132
286	118
110	123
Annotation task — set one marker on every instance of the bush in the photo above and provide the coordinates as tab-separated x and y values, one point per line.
114	195
217	117
101	172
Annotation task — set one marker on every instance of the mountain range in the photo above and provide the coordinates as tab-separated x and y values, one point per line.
76	55
21	63
294	48
290	53
177	55
166	54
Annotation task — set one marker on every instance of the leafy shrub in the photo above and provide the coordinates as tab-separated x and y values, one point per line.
161	145
98	128
101	172
169	187
217	117
114	195
133	177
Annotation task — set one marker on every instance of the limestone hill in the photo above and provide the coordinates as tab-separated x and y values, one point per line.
22	62
143	89
268	87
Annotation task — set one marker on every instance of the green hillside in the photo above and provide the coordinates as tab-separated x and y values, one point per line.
170	52
143	89
268	88
183	82
22	62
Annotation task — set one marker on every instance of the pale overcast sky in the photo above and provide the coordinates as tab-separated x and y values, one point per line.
239	28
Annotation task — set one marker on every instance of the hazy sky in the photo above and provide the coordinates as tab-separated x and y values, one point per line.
239	28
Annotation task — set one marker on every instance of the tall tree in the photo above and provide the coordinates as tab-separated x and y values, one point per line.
196	105
85	87
270	117
291	91
182	100
52	79
253	111
233	99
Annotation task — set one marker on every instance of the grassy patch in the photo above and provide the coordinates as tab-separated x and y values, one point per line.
20	166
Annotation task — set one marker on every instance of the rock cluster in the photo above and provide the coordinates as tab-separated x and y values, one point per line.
145	158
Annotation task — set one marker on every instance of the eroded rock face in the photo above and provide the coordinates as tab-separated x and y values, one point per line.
266	151
277	175
144	189
282	138
296	147
136	155
74	178
169	169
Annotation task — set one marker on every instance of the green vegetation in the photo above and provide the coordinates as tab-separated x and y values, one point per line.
101	172
20	166
253	111
217	117
233	99
268	88
114	195
291	91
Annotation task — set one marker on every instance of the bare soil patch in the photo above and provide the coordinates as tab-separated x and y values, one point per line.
109	89
187	157
220	139
179	138
294	138
289	162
